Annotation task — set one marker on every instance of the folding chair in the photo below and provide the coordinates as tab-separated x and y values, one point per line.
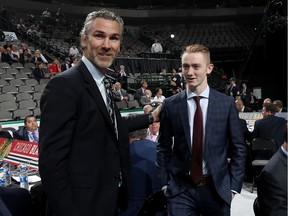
132	104
262	150
121	105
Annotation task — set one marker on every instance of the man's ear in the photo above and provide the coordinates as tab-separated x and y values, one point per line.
84	41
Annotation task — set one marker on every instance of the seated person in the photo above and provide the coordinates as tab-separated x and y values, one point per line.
241	107
39	72
270	126
158	99
30	130
54	68
147	98
119	94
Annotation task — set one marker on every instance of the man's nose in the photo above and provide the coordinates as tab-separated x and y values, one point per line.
106	43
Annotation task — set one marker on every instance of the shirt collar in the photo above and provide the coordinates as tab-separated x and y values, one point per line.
96	74
204	94
30	132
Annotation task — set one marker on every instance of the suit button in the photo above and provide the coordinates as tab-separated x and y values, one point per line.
117	177
116	154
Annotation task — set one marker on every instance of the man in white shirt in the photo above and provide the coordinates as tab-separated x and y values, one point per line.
153	131
156	47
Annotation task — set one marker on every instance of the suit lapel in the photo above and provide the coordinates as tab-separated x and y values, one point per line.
183	110
94	91
212	105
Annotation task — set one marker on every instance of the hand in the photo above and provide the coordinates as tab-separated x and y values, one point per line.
156	113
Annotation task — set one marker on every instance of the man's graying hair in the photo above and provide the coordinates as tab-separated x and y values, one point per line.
100	14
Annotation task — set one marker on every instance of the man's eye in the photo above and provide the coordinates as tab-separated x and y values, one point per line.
115	38
185	67
99	36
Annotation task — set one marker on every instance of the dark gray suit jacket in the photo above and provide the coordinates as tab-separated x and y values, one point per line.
222	124
271	127
80	157
272	186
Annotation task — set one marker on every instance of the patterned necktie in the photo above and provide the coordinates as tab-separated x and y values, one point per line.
35	138
110	104
196	162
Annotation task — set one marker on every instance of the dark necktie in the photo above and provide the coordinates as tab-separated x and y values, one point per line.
196	162
35	139
110	105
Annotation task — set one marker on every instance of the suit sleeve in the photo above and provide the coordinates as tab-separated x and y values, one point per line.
58	111
164	146
270	194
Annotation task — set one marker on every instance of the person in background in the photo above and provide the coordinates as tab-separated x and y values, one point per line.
175	81
270	126
158	98
144	179
279	106
122	76
25	57
66	64
84	157
30	131
73	51
39	72
156	47
245	94
147	99
240	106
39	57
272	184
153	132
267	100
141	91
74	61
147	109
9	57
209	187
54	68
119	94
253	101
233	89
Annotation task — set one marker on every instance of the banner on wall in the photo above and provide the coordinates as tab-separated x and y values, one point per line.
19	151
10	35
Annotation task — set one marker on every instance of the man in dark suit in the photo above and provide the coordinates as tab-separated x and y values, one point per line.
39	72
28	132
272	184
120	94
233	89
141	91
218	181
66	64
143	171
279	106
84	157
270	126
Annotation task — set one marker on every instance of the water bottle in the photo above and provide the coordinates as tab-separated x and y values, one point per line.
2	177
23	176
6	167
